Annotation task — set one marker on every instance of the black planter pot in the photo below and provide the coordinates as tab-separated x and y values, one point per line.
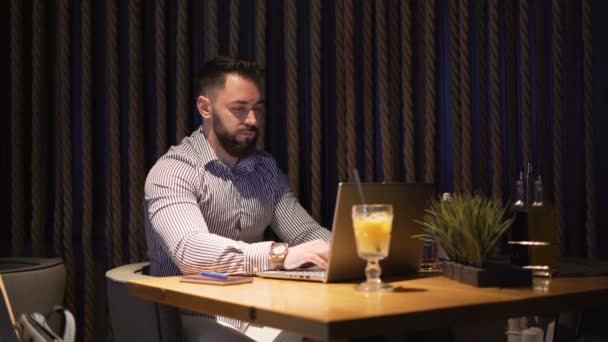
492	275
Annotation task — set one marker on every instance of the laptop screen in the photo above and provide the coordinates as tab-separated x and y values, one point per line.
405	253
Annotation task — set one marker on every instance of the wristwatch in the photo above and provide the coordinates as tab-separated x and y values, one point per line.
278	252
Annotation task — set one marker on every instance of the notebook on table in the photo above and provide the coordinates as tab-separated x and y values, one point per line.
223	281
405	254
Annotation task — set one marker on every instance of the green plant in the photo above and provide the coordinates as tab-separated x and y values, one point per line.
467	227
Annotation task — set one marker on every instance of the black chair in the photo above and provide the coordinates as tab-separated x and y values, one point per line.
134	319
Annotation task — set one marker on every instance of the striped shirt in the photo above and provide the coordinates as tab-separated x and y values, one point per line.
201	215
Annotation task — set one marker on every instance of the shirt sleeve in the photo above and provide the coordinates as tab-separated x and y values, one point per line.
291	222
175	220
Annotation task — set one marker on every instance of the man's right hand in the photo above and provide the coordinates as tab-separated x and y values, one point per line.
316	252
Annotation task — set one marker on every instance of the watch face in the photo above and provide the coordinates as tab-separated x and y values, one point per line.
279	249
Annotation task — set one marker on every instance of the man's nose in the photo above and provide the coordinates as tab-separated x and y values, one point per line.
251	119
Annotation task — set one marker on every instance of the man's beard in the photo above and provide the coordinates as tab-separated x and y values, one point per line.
235	148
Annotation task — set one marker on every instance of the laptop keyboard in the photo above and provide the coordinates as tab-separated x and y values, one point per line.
299	274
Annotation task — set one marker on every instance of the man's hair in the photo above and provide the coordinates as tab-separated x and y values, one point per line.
213	73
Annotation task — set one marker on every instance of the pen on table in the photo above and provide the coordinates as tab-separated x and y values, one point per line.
215	275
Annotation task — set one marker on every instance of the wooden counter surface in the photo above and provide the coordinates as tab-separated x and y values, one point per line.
332	311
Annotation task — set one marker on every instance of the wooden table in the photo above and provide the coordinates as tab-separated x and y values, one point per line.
337	311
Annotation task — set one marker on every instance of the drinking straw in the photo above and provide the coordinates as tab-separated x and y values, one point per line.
359	187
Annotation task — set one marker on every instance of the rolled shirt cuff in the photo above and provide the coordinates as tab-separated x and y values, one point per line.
257	257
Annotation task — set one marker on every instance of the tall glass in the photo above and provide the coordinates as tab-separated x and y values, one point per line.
373	224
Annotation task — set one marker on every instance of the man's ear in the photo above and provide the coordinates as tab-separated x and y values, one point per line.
203	104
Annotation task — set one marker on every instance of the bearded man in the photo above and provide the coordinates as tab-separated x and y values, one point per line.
209	200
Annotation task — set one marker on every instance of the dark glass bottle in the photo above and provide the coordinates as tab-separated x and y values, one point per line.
542	222
519	230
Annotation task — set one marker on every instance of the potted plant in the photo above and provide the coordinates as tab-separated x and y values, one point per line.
469	227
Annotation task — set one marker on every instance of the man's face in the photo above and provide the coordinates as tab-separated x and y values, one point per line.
236	110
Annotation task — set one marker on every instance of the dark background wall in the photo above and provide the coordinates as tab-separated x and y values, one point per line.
459	93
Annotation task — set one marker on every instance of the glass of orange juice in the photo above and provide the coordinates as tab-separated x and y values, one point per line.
373	224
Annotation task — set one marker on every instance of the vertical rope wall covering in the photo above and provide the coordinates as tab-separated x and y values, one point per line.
494	79
108	221
428	24
368	88
291	94
393	39
455	78
540	59
136	139
524	76
526	90
406	92
234	27
558	118
509	103
315	104
160	50
383	89
590	224
57	182
394	55
260	33
183	79
57	164
114	156
99	91
340	92
211	42
39	113
465	98
349	87
260	54
63	112
340	101
18	112
482	58
87	170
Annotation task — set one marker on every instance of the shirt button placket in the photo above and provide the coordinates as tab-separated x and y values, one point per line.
239	223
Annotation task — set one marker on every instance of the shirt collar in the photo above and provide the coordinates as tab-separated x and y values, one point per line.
209	156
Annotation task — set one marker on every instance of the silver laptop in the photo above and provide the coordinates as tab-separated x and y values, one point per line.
405	254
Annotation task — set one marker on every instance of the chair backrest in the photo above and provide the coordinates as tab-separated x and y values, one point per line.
134	319
7	332
43	276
